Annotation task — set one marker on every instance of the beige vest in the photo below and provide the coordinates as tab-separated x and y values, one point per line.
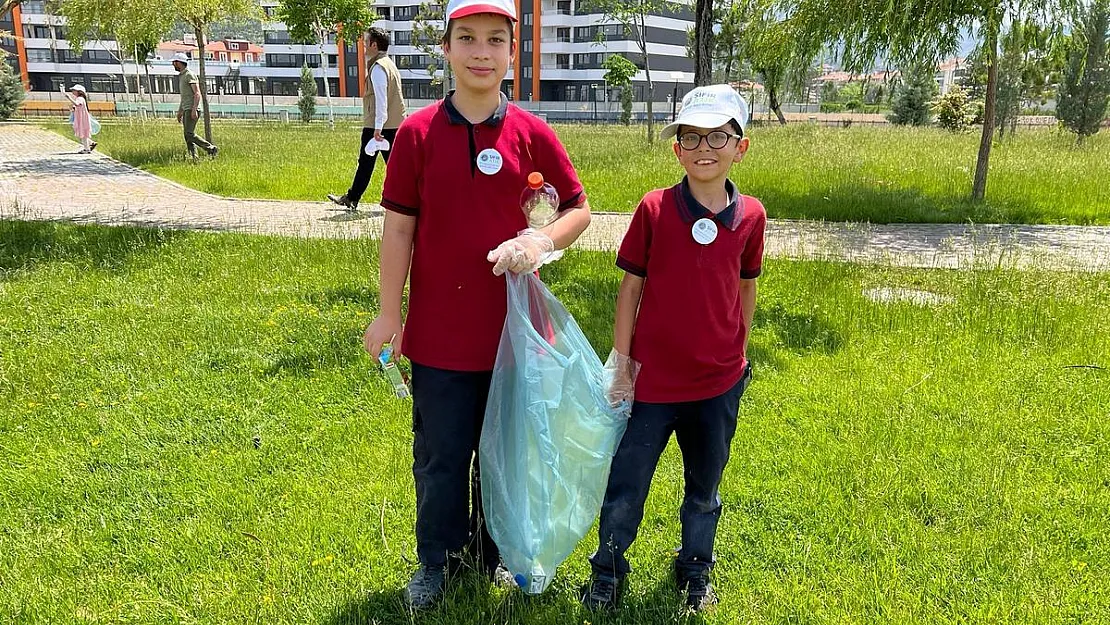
395	108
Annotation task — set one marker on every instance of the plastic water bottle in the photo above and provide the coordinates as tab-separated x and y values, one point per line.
392	373
539	201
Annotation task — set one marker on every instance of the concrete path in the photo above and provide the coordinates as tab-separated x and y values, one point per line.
43	178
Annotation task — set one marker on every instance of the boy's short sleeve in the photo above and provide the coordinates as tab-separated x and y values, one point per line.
751	259
554	163
401	193
636	246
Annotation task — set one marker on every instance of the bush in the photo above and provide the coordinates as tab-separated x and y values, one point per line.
953	110
307	103
11	90
832	107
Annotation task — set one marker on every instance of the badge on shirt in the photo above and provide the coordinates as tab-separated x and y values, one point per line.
489	161
705	231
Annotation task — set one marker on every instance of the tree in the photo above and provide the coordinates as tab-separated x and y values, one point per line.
1085	91
134	25
632	14
200	15
914	97
307	102
427	36
703	42
757	34
11	89
1027	66
619	74
922	32
314	21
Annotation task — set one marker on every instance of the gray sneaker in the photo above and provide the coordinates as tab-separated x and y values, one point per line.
697	592
603	593
426	587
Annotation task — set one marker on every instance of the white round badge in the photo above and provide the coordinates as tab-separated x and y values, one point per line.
489	161
705	231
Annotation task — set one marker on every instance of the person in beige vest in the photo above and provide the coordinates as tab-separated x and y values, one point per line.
383	109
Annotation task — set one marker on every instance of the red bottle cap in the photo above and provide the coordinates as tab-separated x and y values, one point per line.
535	180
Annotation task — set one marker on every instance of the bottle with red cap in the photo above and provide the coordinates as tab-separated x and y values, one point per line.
539	201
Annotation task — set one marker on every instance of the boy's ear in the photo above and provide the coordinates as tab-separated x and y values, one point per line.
741	150
677	149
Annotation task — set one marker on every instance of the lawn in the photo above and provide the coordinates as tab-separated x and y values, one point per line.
189	433
876	174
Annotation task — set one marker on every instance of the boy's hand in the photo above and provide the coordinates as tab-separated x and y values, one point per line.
384	329
179	116
624	372
523	254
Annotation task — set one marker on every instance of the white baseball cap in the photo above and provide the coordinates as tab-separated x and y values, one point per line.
709	107
78	87
181	56
463	8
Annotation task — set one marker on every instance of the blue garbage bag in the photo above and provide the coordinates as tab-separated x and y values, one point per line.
548	438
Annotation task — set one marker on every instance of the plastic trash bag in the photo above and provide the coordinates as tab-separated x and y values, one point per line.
549	435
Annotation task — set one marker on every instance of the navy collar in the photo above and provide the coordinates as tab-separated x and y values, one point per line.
691	210
455	117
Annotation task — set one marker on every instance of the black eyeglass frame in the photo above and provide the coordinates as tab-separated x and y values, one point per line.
705	138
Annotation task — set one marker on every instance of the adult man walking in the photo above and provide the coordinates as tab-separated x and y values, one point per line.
383	109
189	110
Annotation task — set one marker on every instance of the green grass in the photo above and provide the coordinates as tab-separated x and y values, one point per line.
878	174
892	463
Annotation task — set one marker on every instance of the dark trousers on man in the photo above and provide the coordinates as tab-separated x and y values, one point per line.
447	414
192	141
704	430
366	162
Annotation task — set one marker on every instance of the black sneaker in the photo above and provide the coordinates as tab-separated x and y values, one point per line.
426	587
343	201
92	145
603	592
697	591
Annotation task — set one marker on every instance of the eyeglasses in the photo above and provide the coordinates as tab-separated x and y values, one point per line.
716	139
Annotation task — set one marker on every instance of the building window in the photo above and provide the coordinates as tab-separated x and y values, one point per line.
563	8
402	37
562	35
34	7
405	13
568	93
312	60
583	33
37	55
383	13
276	36
526	72
562	61
352	71
527	19
527	45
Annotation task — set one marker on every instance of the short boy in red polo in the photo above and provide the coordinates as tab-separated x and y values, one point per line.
453	226
691	257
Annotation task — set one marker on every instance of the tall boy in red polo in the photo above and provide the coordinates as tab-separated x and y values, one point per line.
454	225
691	256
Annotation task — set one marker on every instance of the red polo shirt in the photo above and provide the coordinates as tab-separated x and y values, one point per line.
690	333
463	210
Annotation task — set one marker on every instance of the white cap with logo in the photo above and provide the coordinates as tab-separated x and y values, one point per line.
182	57
709	107
463	8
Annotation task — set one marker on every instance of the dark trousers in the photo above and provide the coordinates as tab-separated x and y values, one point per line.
192	141
704	430
366	162
447	413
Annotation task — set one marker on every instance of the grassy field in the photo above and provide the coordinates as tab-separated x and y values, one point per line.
881	175
190	433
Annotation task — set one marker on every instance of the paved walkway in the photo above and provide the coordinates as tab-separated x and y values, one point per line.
42	178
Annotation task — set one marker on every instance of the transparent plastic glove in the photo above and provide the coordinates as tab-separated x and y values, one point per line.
622	372
523	254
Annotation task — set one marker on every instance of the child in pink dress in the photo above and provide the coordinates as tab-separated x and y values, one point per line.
82	122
